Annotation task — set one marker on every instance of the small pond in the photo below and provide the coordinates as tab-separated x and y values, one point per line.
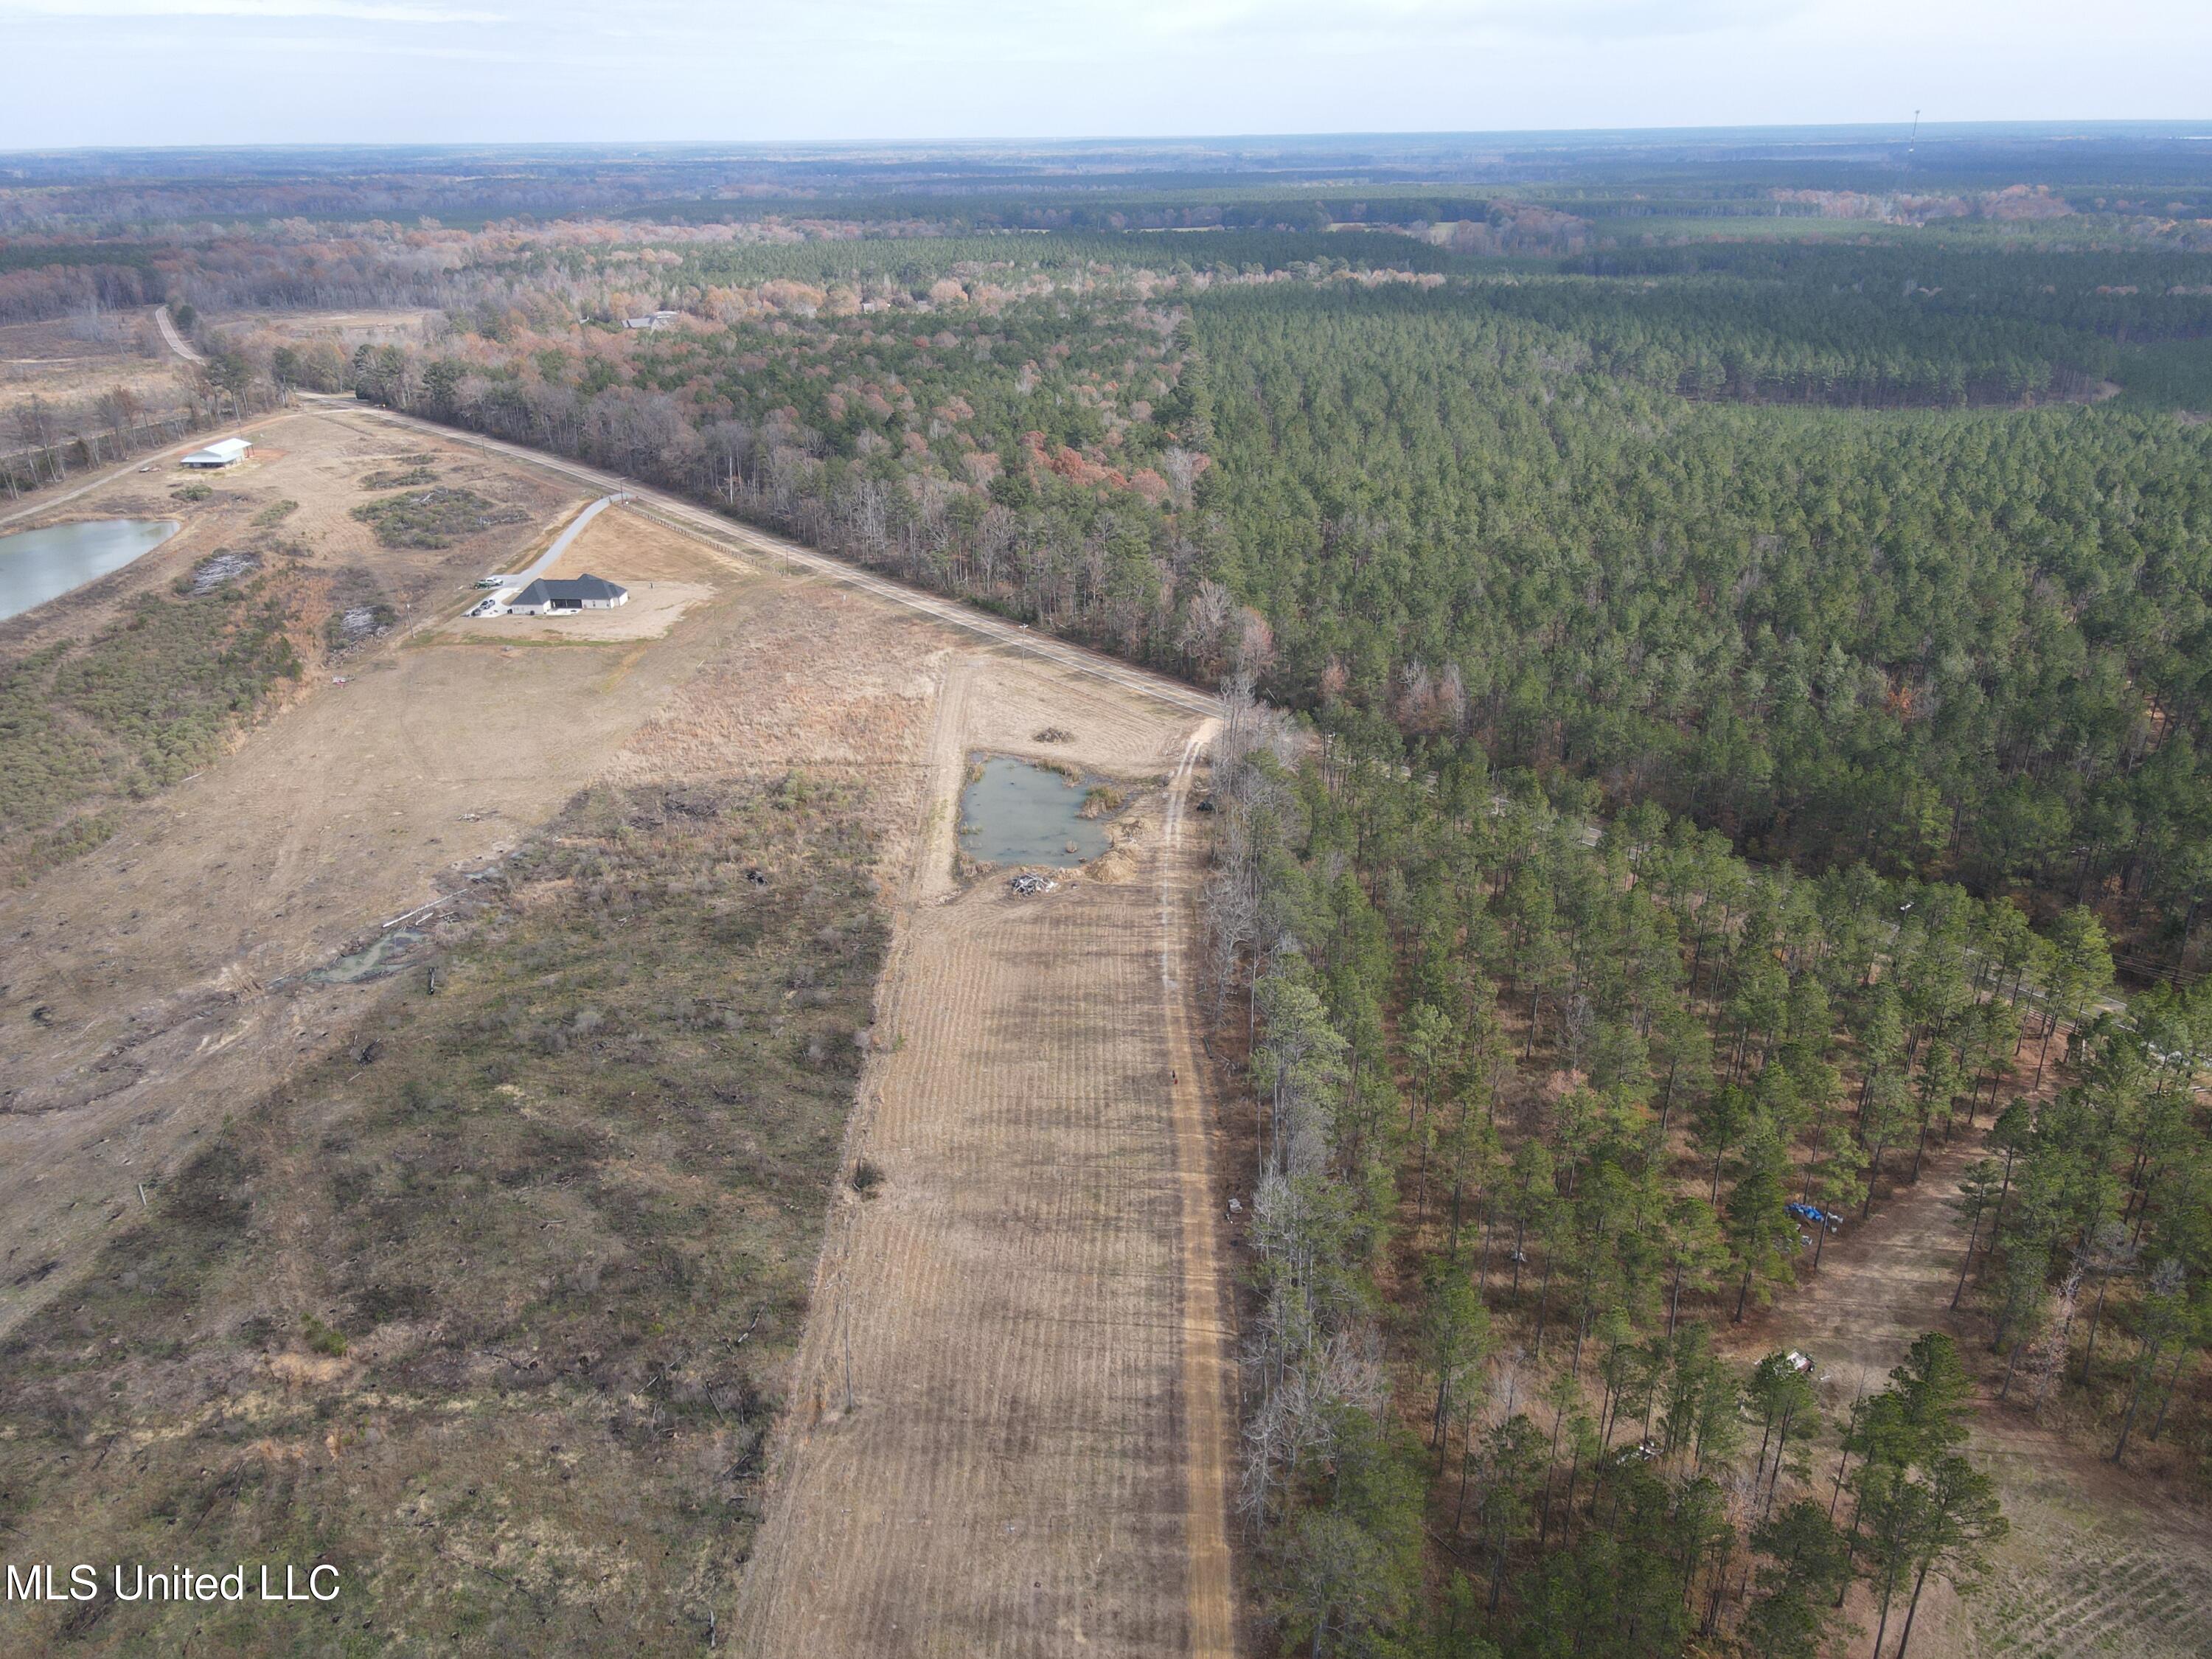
1017	813
384	955
37	565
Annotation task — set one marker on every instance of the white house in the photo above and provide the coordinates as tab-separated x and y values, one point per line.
559	598
223	451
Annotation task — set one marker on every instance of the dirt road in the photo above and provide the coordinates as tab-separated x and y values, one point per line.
40	502
2098	1561
1035	1458
177	342
153	956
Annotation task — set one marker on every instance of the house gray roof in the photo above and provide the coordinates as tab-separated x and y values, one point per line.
566	593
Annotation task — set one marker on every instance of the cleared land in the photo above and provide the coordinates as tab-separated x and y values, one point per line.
345	804
2097	1560
371	325
668	573
991	1447
71	362
492	1295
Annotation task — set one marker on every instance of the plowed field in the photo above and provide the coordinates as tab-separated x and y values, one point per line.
1009	1417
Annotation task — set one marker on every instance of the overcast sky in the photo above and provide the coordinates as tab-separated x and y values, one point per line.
246	71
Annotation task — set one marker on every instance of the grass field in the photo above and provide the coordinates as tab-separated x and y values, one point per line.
489	1306
142	704
118	690
68	364
489	1297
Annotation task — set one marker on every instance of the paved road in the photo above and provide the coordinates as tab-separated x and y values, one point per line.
177	344
551	555
545	560
682	515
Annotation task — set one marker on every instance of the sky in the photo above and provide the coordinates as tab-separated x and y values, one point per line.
130	72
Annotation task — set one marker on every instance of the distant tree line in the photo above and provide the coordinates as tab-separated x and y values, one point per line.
1957	644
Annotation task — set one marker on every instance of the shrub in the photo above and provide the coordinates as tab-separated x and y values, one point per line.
436	517
130	711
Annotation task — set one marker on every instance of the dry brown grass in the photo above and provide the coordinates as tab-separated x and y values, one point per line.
53	360
534	1241
2098	1560
372	325
492	1314
667	574
992	1451
340	807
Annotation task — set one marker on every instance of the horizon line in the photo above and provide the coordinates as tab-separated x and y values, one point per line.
1858	130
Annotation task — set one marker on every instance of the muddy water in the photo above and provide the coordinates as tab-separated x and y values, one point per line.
37	565
386	955
1017	813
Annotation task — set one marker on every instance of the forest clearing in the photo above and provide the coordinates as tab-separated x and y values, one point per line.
2089	1551
335	807
183	1060
1010	1420
956	1469
62	362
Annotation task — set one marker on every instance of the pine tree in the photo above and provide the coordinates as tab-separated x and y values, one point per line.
1761	1236
1808	1564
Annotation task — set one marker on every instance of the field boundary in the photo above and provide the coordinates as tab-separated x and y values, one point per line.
1208	1417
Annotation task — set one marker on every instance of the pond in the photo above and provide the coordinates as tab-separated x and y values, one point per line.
1012	812
385	955
37	565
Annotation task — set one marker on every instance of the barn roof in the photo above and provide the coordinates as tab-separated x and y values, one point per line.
222	449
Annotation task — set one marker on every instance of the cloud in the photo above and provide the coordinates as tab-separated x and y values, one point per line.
200	70
1430	22
337	11
829	40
